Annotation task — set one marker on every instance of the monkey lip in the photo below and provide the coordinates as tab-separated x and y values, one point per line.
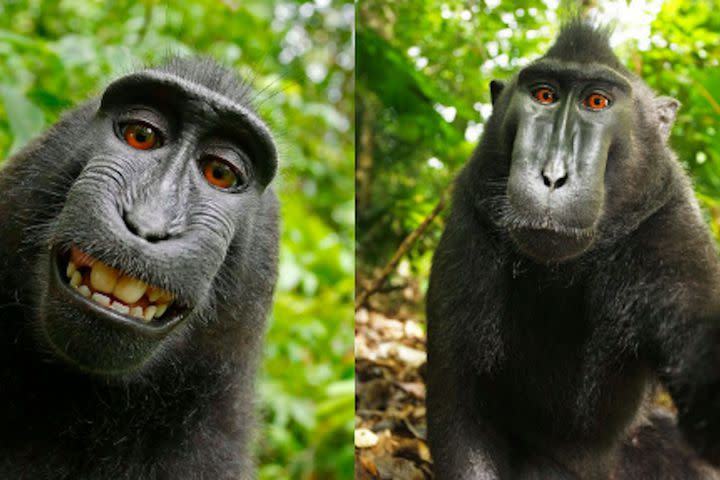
550	245
112	294
517	221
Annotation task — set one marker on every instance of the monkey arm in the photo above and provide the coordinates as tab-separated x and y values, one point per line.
464	444
692	375
681	323
462	431
679	275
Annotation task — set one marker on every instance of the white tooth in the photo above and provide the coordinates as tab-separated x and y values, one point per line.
120	307
137	311
129	289
84	291
103	277
76	279
103	300
149	313
161	309
71	268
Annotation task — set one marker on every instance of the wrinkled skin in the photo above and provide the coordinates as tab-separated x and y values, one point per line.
95	394
559	156
575	273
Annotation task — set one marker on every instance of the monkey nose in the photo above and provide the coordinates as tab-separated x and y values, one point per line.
147	224
554	182
554	174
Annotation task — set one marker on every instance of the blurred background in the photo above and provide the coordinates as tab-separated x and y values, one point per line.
423	69
55	54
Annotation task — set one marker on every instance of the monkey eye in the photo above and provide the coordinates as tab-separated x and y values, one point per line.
596	101
140	135
222	174
544	95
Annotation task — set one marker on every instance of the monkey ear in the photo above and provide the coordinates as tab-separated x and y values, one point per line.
666	108
496	88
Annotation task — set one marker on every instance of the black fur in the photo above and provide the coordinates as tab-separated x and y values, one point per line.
117	401
578	43
545	369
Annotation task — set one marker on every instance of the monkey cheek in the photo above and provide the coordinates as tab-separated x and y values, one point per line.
548	246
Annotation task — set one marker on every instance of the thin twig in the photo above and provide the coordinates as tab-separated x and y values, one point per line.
404	247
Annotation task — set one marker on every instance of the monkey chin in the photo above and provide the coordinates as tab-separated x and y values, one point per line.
550	246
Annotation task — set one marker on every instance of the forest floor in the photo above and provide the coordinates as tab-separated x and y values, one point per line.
390	427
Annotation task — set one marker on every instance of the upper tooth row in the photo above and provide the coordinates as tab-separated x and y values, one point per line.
106	279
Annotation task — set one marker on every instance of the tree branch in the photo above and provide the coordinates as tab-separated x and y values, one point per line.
404	247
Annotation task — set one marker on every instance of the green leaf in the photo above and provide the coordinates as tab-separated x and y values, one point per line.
25	119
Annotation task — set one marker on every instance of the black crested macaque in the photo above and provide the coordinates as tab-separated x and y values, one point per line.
575	275
138	252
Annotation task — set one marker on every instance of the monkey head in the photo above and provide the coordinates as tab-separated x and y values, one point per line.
161	217
579	135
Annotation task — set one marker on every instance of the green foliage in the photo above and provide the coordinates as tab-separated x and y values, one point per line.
686	67
55	54
424	67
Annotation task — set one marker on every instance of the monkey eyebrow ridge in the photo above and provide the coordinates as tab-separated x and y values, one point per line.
582	72
243	112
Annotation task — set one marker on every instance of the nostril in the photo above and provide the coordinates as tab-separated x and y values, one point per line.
156	237
130	225
546	180
554	183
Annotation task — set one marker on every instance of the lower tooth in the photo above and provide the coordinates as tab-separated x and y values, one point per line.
137	312
84	291
149	313
160	310
120	307
101	299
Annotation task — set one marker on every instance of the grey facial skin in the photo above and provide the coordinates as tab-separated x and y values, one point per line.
138	239
575	274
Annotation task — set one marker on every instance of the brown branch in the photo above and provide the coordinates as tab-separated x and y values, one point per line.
404	247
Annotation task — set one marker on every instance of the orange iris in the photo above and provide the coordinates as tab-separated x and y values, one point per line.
140	136
218	173
545	95
596	101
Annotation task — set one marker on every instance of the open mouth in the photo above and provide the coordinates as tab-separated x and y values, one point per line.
117	291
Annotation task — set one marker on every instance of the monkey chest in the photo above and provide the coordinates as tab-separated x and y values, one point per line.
562	376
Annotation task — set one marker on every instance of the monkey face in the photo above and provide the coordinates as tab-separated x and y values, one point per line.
174	175
566	128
